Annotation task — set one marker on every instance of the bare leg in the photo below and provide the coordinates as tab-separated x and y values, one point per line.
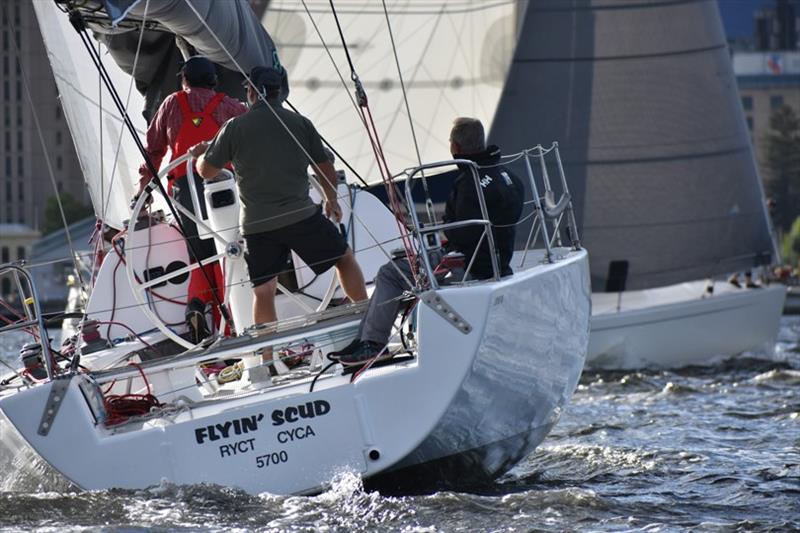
351	278
264	309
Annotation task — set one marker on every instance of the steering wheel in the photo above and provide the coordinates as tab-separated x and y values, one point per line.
233	252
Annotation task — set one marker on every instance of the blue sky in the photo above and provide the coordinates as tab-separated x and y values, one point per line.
737	15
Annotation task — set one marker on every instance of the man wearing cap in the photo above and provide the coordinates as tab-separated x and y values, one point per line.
271	149
185	118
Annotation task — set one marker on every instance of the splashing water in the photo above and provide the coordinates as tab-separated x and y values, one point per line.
705	449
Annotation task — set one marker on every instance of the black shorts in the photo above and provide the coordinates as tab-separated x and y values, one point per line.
315	239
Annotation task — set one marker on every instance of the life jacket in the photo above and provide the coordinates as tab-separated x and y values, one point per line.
195	128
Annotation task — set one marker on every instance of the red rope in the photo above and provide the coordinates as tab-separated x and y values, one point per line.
19	317
386	177
121	407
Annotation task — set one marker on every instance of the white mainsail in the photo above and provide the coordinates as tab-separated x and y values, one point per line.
453	57
96	125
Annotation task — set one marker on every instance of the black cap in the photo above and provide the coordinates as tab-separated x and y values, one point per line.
267	78
199	71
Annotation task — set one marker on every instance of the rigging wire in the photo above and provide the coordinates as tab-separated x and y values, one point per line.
47	161
127	102
428	201
332	149
401	224
377	148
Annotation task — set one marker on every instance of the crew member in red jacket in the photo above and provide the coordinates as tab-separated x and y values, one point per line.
185	118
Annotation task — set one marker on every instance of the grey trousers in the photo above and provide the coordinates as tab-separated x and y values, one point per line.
384	305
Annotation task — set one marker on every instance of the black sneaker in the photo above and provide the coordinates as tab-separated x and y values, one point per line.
334	356
365	351
196	321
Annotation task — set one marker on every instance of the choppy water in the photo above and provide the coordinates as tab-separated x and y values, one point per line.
701	449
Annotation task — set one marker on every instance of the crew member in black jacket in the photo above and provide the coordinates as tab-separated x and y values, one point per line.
503	193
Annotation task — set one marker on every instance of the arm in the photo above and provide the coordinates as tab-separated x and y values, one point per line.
322	165
204	168
213	156
329	182
157	142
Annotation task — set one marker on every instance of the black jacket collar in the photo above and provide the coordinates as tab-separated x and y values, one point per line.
488	157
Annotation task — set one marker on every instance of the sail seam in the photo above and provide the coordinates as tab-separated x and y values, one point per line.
616	7
673	223
660	159
671	53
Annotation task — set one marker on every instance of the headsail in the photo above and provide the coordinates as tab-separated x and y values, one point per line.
642	97
453	55
95	124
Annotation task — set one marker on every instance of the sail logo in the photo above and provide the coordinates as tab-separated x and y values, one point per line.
775	63
237	426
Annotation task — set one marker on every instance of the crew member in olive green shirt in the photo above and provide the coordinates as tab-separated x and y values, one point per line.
277	213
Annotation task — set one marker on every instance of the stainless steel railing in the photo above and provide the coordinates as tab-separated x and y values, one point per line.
33	314
551	215
420	232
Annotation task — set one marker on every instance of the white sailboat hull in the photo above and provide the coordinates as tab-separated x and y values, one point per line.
792	306
674	326
487	397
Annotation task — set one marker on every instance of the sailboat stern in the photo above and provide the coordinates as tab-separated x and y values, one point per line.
280	444
529	358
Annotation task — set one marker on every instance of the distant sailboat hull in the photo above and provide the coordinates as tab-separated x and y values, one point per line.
792	306
674	326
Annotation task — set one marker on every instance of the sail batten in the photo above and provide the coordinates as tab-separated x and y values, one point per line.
642	98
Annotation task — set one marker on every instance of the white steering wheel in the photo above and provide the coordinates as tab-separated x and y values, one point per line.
141	287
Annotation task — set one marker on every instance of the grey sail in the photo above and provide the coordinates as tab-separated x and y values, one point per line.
229	33
642	98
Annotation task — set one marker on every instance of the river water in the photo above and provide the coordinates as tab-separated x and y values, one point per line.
701	449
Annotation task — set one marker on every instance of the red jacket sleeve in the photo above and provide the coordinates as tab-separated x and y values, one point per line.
157	141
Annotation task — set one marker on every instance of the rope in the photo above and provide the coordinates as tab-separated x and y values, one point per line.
428	201
275	114
332	149
369	125
39	133
120	408
353	75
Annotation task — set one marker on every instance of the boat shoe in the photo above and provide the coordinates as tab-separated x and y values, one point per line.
363	352
335	355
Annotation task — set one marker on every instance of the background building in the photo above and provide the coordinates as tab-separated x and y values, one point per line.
767	81
25	185
16	241
776	26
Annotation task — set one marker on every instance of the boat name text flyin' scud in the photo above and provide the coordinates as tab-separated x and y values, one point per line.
247	424
238	426
295	413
